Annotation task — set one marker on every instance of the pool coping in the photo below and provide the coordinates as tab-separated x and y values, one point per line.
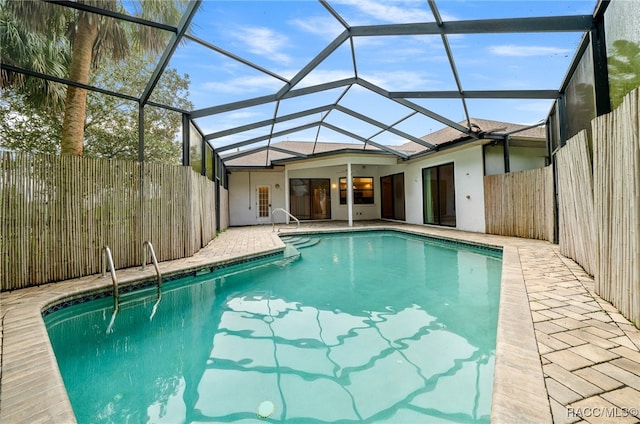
520	394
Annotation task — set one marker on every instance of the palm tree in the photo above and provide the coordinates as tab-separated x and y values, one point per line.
29	50
92	38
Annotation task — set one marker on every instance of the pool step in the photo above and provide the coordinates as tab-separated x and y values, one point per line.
290	239
300	241
308	243
291	254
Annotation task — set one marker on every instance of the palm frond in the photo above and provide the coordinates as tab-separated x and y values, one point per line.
48	54
165	11
38	16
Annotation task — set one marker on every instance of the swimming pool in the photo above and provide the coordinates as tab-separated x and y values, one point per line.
378	326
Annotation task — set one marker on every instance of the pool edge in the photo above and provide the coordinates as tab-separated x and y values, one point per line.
518	377
509	396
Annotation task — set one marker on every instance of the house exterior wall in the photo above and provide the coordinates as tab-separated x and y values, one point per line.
334	173
468	174
468	166
520	158
243	201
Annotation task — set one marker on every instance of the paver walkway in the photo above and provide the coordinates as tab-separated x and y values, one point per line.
590	353
567	357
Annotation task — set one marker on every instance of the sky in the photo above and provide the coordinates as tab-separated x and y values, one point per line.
281	37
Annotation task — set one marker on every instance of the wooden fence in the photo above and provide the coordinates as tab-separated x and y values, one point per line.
576	225
520	204
598	204
58	212
616	194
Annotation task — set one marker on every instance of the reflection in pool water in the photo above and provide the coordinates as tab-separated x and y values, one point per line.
368	327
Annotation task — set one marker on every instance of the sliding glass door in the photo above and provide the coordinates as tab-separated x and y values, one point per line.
439	195
392	197
310	198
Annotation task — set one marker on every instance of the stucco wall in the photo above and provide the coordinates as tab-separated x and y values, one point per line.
334	173
468	174
520	159
243	200
468	167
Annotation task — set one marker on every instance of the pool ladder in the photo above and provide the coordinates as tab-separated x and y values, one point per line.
107	259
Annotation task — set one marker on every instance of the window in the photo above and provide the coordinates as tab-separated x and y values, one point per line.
439	196
362	191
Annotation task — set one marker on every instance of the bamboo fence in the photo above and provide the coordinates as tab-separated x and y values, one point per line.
576	223
224	208
616	181
59	211
520	204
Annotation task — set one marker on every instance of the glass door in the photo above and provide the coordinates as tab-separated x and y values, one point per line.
310	198
263	203
439	195
392	197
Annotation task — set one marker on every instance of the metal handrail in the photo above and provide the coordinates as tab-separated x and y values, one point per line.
107	258
273	223
148	246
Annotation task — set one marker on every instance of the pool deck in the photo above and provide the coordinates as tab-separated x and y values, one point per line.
563	354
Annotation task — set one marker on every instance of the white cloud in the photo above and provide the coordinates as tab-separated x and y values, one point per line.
323	76
540	107
402	80
525	51
264	42
516	83
325	27
478	76
241	115
244	84
261	83
408	11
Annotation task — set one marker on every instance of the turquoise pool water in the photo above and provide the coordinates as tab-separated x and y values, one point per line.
362	327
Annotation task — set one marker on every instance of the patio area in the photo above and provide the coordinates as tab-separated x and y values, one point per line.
563	354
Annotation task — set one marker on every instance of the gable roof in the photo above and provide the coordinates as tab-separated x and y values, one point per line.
286	150
268	155
481	127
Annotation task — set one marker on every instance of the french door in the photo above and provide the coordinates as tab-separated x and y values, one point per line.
263	203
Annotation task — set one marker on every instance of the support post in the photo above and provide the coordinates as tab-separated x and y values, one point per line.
505	144
287	200
140	132
186	128
203	157
562	119
600	66
141	226
350	194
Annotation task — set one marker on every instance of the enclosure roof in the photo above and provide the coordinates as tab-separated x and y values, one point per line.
374	75
286	151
